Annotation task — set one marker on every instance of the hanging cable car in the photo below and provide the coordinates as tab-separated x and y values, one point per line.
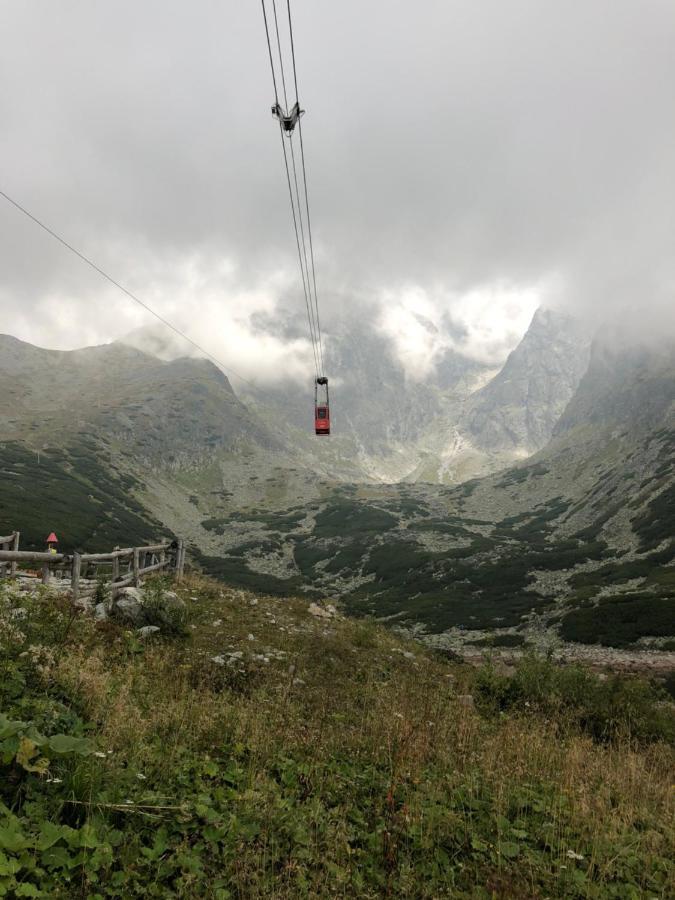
321	407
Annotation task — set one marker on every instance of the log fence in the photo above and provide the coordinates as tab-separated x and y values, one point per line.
10	542
126	567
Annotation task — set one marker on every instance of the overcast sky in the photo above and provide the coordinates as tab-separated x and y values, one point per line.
467	161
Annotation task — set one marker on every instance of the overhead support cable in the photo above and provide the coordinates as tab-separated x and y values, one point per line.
299	206
124	290
304	178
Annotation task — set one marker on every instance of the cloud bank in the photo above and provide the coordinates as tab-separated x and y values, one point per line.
467	161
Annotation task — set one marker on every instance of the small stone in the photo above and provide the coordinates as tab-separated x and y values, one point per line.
100	612
251	637
147	630
318	611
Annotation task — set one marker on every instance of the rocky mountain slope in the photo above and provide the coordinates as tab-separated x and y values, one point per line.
576	543
109	444
80	431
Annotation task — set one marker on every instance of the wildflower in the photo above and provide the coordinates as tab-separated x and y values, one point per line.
99	754
140	776
572	855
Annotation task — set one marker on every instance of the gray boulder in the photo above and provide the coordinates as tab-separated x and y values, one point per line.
148	630
101	612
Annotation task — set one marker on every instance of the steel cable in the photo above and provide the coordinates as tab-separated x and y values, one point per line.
124	290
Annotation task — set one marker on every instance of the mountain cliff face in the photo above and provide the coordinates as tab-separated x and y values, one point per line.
518	410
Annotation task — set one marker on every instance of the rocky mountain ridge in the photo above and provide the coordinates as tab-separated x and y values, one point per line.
554	545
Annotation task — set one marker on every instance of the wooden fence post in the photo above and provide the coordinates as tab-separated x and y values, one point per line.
115	566
135	564
179	560
46	574
15	546
75	579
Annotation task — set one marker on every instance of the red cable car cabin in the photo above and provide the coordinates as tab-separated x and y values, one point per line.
321	408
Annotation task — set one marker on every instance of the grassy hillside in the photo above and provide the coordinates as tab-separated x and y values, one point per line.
273	753
76	492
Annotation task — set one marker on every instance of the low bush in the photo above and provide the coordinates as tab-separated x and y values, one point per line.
161	607
606	708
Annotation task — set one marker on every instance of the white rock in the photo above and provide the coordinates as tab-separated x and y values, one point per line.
319	611
147	630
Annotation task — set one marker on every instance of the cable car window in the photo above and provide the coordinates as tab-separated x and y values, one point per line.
321	414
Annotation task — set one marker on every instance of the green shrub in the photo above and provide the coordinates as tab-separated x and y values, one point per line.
166	612
606	707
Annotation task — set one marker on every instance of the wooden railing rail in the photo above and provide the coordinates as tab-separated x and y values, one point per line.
138	562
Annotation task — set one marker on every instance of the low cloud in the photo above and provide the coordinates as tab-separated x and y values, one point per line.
466	161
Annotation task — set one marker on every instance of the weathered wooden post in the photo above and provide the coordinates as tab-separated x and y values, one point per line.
136	566
75	578
179	560
15	547
115	566
46	574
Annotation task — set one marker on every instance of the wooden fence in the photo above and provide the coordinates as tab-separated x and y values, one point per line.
11	542
120	568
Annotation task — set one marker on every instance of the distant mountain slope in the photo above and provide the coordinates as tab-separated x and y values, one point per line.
519	408
81	431
159	409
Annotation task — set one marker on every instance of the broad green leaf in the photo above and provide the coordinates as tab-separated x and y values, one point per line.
50	834
28	890
12	840
87	837
9	728
508	848
56	858
64	743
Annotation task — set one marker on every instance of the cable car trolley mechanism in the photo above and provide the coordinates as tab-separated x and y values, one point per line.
288	113
289	120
